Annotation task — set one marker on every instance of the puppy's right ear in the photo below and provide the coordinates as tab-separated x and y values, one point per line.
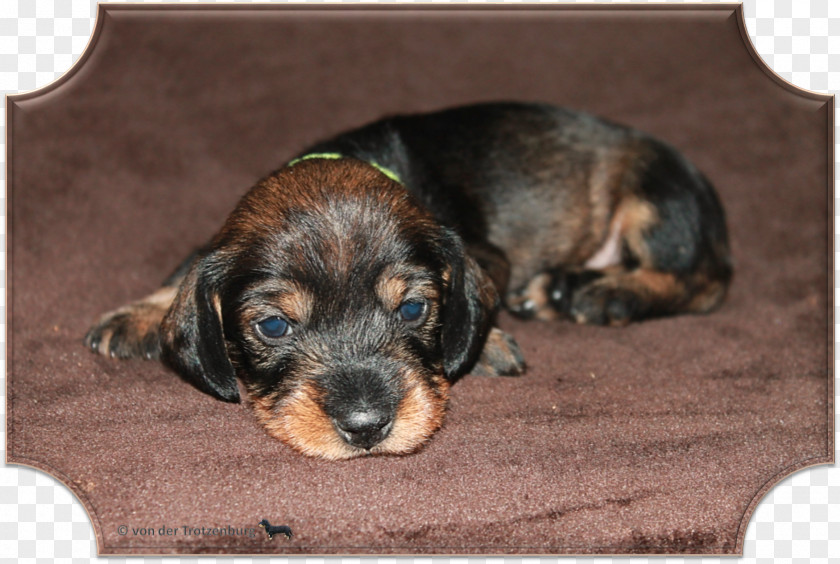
469	303
192	336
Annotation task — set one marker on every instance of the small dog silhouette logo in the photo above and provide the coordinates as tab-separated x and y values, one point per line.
271	530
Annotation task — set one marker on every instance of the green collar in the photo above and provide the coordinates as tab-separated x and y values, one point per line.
386	171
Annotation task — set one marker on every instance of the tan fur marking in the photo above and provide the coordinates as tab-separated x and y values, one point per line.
300	422
419	415
660	284
537	292
297	304
636	217
391	289
314	185
651	283
500	356
217	305
162	297
293	300
446	275
605	182
708	298
104	343
609	253
661	288
398	283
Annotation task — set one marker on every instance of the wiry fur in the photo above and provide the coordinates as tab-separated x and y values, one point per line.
556	213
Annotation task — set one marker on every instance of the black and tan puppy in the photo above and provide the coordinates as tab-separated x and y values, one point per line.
348	290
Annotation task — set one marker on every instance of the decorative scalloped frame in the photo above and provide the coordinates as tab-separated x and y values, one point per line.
829	99
737	10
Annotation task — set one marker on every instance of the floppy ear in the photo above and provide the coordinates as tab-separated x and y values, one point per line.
192	339
469	304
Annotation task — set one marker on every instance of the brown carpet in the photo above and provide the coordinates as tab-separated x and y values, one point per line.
661	437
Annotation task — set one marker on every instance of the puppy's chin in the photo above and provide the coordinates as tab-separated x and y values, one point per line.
299	420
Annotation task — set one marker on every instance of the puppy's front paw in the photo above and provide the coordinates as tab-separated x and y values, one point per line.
531	301
132	331
500	357
129	332
602	304
549	294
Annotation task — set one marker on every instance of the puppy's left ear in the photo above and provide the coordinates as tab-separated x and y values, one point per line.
192	337
469	304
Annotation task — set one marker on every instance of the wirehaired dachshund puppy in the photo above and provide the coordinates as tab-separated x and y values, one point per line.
351	288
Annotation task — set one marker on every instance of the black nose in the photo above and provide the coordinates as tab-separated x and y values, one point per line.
364	428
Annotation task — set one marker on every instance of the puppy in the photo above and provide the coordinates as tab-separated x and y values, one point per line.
351	288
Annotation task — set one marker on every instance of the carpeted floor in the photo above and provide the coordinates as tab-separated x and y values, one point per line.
660	437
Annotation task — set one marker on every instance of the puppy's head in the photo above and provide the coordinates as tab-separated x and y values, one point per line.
344	309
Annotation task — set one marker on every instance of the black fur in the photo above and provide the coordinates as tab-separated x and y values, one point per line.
197	348
548	211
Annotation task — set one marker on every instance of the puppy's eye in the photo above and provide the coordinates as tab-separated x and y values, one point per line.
274	327
412	310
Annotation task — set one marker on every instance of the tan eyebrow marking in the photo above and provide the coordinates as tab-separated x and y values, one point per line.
391	289
296	305
396	283
292	299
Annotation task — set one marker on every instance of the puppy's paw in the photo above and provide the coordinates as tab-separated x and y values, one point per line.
132	331
500	357
604	304
129	332
550	294
532	300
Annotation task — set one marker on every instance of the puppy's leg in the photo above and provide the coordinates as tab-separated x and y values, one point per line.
548	294
636	289
500	356
617	297
133	331
661	257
